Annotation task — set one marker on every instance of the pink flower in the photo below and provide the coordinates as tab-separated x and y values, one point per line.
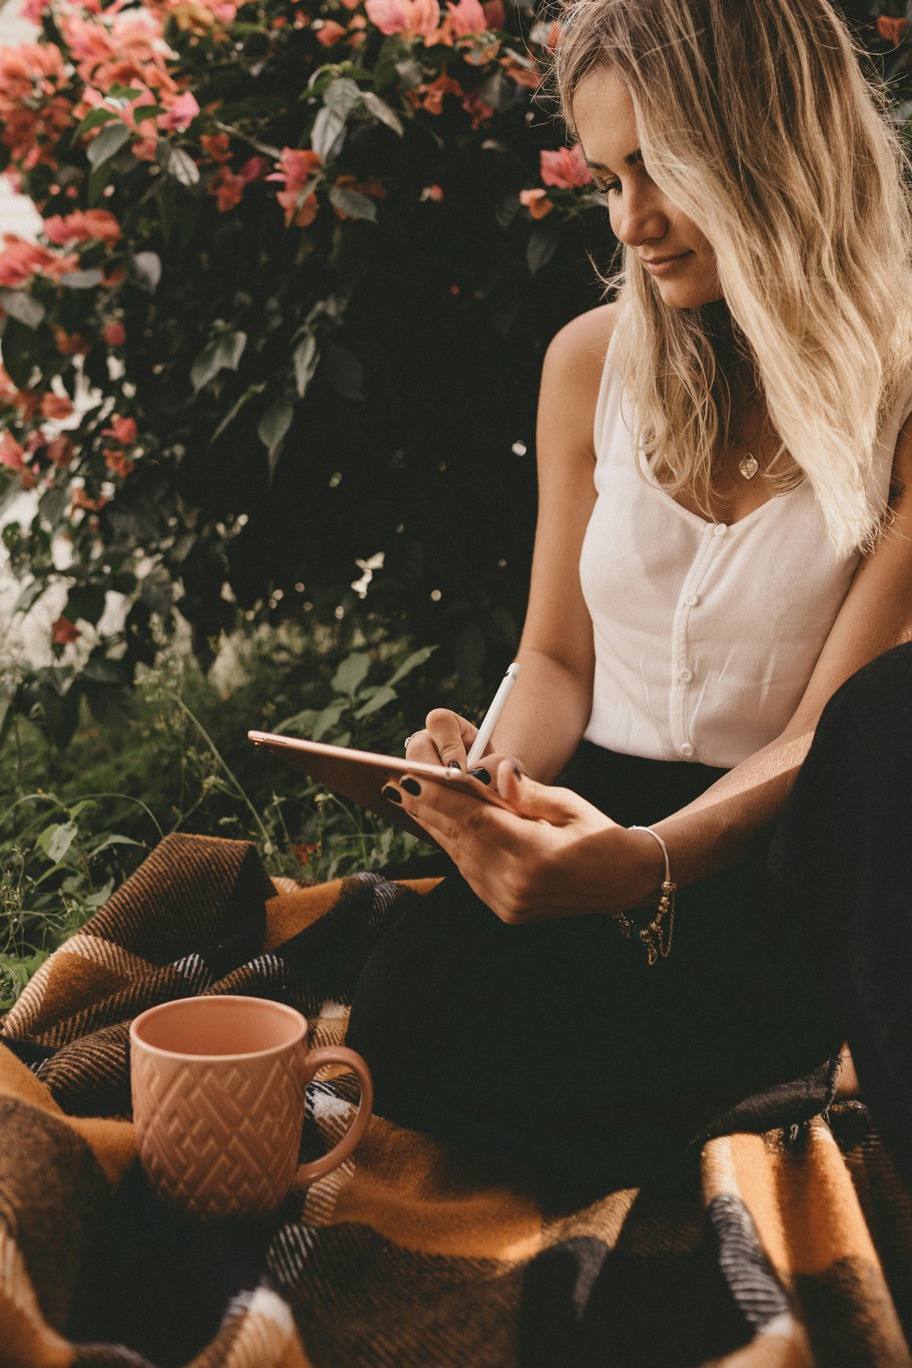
537	202
123	430
85	225
480	111
55	406
61	451
117	461
297	169
330	33
63	632
31	69
893	30
467	17
114	333
495	14
11	453
415	18
20	259
182	113
565	168
216	145
227	188
33	10
389	16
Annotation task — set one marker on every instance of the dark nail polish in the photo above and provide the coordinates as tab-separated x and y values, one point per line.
481	774
411	786
392	795
517	771
453	764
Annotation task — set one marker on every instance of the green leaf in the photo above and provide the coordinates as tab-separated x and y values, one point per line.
344	372
351	203
94	119
540	249
82	280
99	180
327	720
306	359
20	305
381	110
411	663
177	163
340	95
115	841
235	409
108	143
300	722
273	426
224	352
53	504
157	591
327	134
379	700
56	840
351	673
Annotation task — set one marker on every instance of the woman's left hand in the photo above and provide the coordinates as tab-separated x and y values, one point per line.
558	857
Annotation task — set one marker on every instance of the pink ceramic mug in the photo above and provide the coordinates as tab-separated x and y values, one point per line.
218	1102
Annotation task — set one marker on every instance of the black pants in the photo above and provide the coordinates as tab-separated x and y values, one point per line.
843	860
555	1045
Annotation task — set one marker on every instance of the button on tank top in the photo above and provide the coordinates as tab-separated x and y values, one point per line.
706	634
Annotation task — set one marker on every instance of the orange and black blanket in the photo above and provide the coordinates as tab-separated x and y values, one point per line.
792	1248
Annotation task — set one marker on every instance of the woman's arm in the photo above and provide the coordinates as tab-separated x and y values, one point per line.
556	652
570	858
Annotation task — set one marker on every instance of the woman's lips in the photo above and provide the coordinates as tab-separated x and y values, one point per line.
664	265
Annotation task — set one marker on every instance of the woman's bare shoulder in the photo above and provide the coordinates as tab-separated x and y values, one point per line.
585	339
573	372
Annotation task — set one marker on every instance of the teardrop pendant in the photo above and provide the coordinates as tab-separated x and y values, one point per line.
749	466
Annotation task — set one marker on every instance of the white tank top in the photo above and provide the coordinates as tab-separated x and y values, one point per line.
705	634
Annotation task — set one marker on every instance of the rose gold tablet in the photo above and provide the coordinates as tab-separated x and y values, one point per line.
360	775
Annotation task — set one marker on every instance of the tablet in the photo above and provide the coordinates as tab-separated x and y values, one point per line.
360	775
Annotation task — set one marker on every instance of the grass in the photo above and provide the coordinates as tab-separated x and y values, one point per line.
73	825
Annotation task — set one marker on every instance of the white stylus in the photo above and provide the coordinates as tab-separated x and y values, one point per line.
492	716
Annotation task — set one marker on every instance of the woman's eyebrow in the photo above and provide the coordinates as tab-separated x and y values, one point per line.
632	159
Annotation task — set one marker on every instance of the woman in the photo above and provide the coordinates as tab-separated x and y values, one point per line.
724	536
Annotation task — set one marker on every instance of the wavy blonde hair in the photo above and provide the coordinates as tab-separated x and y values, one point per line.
756	120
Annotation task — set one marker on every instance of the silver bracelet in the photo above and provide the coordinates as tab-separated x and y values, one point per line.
656	936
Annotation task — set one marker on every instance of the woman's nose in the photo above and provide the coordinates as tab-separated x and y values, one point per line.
642	218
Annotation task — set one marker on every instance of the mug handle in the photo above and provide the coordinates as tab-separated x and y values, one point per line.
316	1059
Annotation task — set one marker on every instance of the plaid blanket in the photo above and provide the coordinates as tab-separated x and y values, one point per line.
792	1248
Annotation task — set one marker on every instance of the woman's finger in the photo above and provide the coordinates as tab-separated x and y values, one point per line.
538	802
451	736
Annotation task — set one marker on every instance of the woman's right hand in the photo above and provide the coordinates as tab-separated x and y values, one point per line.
446	739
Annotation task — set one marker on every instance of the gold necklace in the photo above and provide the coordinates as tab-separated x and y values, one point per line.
748	465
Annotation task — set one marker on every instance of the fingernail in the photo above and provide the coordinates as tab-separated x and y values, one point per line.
517	771
391	794
481	774
453	764
411	786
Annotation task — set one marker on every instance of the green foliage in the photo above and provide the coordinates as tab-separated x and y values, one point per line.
183	763
288	276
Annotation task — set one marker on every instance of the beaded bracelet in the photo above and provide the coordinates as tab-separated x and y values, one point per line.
655	937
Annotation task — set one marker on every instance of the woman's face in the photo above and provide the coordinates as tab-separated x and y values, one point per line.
669	245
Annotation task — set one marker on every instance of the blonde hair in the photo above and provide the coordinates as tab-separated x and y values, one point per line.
755	119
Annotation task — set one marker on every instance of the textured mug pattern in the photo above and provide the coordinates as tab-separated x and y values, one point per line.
214	1138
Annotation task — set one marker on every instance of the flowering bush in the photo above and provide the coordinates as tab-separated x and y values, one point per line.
285	317
299	262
